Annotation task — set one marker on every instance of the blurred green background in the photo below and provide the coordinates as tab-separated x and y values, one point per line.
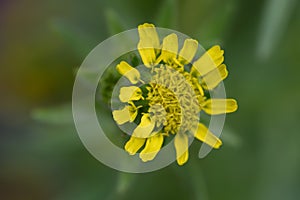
42	43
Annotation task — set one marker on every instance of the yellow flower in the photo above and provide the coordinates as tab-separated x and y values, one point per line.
130	93
127	114
174	97
131	73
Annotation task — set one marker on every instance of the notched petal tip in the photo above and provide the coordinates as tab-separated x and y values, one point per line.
215	48
146	25
217	54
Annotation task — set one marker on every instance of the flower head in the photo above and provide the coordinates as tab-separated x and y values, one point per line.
174	97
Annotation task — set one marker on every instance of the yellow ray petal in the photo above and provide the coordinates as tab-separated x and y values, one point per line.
152	147
188	51
216	54
219	106
169	48
134	144
148	56
204	135
129	72
144	129
147	33
127	114
131	93
213	78
181	143
148	44
122	116
208	61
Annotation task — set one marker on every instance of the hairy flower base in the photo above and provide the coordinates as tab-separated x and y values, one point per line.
175	95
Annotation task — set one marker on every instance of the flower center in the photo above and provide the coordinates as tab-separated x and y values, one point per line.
172	99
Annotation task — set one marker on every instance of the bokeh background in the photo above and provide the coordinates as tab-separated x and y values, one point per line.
42	43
